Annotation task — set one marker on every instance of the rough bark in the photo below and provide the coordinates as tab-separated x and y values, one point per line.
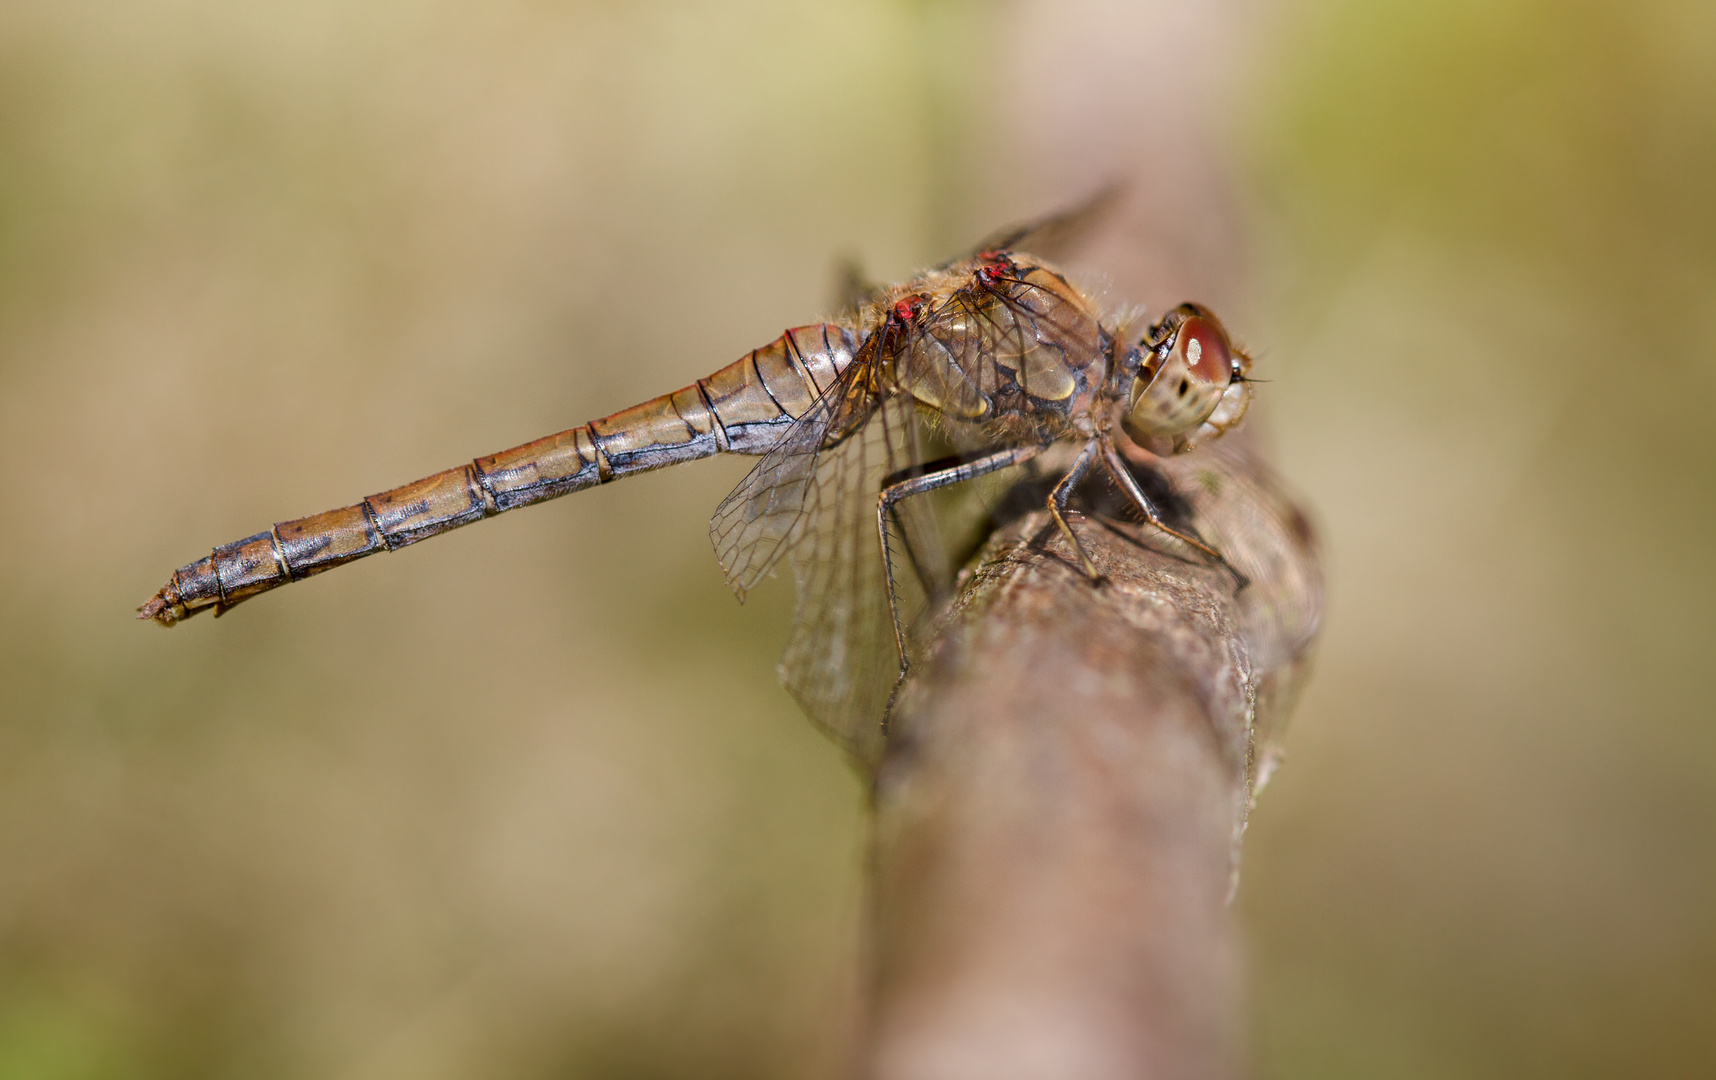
1059	812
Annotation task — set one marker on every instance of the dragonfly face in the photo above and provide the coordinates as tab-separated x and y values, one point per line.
1190	384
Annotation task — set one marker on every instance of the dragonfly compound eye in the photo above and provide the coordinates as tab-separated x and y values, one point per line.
1182	385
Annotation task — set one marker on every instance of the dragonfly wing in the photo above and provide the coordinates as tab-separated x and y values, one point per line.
853	289
767	514
840	661
1059	234
813	496
762	518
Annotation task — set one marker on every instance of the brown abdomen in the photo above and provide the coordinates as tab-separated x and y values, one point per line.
743	409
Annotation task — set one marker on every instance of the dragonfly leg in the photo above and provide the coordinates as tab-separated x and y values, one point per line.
1129	484
927	575
1058	496
953	471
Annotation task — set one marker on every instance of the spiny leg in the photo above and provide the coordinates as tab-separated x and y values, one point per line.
1058	496
1129	484
954	471
925	574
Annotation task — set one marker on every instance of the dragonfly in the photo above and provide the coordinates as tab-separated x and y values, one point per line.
993	362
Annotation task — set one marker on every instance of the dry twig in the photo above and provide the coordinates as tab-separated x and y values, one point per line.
1059	811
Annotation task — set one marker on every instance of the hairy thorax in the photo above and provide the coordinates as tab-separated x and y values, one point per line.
1000	346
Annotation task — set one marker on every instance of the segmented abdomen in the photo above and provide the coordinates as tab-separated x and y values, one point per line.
744	408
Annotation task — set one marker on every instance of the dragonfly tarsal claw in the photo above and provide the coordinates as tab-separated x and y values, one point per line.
1084	561
894	697
1085	565
1240	581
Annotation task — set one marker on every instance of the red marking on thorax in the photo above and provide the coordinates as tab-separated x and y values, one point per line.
995	266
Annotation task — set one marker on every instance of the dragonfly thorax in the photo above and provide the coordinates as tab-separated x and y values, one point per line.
1001	346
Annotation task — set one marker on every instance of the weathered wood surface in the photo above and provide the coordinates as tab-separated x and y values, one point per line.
1059	811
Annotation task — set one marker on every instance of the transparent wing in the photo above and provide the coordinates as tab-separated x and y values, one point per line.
959	382
853	288
841	662
814	496
1059	234
767	514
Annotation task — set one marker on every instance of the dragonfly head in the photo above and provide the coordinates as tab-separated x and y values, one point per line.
1189	383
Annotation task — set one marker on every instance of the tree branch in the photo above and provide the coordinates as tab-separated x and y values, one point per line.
1059	811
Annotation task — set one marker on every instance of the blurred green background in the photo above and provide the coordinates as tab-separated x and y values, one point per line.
527	801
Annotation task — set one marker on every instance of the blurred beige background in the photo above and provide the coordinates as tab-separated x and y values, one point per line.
526	801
